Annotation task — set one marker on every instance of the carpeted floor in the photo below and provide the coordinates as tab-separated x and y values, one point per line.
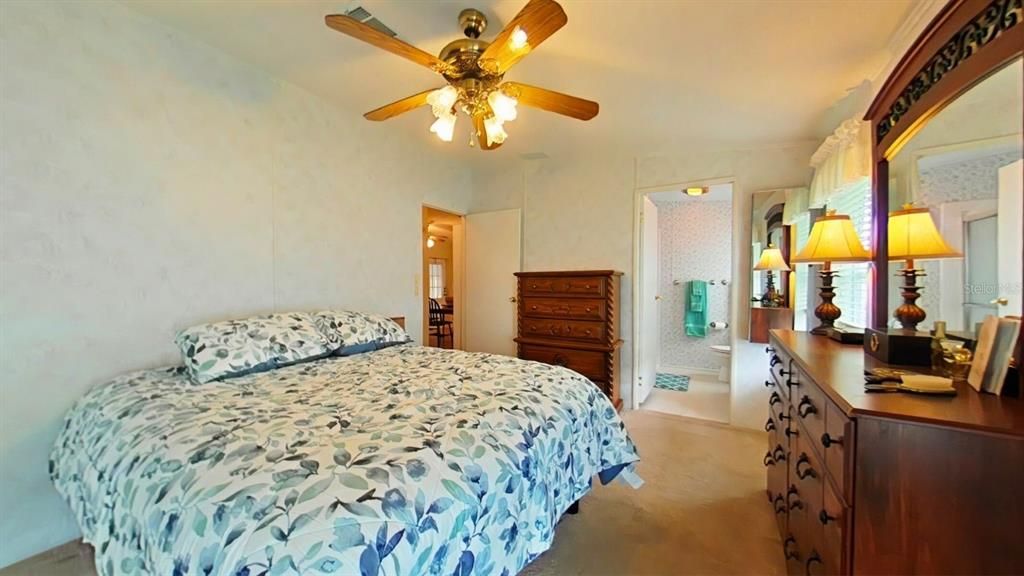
702	511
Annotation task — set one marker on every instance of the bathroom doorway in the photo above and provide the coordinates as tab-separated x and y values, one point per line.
684	286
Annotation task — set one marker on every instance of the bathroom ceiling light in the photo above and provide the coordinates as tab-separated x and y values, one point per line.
696	190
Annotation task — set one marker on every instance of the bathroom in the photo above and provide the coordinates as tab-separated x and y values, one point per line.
686	256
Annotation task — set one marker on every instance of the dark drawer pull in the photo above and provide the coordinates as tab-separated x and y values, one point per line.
783	372
768	460
811	560
806	407
769	425
785	417
768	383
780	504
768	350
779	453
774	399
785	548
775	360
790	432
827	440
560	360
806	472
824	518
797	505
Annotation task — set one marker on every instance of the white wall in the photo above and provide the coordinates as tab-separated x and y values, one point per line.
694	243
150	182
578	213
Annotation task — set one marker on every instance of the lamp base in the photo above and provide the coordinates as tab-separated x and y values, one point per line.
909	313
826	312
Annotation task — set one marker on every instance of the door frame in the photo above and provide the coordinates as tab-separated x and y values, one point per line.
639	192
458	273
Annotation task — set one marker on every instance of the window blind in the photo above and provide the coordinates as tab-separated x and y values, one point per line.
851	282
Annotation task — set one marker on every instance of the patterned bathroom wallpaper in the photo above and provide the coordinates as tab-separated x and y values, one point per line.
974	179
694	243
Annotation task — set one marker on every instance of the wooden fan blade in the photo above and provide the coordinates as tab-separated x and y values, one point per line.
358	30
399	106
481	133
552	101
539	19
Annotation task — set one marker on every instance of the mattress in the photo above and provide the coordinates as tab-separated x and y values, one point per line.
406	460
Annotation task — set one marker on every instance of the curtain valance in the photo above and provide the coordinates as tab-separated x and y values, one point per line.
844	158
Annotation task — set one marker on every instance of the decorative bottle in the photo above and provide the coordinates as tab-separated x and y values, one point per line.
939	366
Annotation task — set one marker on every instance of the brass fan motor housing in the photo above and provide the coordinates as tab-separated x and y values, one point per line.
472	22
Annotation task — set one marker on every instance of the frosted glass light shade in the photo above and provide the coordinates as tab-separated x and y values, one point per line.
913	235
833	239
771	259
444	127
504	107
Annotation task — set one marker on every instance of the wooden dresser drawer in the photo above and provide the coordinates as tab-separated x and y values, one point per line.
589	364
565	285
575	308
553	328
834	518
836	448
809	408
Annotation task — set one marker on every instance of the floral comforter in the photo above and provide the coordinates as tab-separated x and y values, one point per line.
407	460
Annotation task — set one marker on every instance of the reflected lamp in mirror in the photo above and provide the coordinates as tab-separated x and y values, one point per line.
832	239
772	261
913	236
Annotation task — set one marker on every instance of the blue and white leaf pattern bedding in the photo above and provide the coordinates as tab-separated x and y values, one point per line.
407	460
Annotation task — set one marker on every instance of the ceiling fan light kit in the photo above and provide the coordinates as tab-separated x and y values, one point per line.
474	70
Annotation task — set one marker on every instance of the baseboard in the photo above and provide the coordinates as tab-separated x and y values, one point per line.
686	370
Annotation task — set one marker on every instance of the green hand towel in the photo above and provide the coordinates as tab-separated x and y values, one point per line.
696	320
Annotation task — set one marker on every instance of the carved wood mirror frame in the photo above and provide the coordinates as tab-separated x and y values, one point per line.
966	42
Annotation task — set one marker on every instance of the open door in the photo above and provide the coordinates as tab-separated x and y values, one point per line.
649	341
1010	238
493	256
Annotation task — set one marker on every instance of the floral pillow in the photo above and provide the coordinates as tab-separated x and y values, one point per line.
349	332
237	347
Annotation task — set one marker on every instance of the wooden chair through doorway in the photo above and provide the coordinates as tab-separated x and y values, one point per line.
440	326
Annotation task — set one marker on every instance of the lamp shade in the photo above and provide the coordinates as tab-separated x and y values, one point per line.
833	239
771	259
913	235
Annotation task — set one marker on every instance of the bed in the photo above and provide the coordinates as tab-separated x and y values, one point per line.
405	460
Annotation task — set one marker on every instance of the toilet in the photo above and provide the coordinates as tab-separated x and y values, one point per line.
723	353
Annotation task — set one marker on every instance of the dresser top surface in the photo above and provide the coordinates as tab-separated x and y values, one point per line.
838	369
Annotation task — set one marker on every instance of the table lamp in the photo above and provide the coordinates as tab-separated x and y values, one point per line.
771	261
913	236
832	239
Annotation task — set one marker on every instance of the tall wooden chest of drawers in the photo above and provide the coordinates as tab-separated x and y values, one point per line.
571	319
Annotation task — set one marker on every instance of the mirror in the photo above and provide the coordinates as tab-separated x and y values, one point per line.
772	283
964	167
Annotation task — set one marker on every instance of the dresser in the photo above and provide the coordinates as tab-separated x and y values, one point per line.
888	483
571	319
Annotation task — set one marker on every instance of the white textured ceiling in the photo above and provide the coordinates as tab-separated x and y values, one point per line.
683	73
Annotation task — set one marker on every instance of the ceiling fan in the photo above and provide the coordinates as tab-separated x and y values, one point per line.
474	70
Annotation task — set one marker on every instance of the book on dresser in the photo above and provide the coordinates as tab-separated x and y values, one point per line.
571	319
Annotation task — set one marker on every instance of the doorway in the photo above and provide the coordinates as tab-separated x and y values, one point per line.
443	272
683	306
